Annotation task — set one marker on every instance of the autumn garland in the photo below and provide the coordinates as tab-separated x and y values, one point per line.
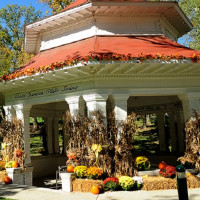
95	57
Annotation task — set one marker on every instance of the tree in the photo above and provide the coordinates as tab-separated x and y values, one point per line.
192	10
12	21
56	5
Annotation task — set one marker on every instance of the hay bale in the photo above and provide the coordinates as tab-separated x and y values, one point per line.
193	181
161	183
158	183
3	174
84	185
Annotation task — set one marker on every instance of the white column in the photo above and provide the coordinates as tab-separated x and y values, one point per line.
82	107
180	125
9	112
190	102
49	132
56	136
23	113
161	131
73	104
173	137
120	108
96	102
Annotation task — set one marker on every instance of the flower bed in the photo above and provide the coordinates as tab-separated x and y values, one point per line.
161	183
84	185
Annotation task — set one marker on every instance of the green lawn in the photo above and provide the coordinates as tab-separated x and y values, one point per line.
2	198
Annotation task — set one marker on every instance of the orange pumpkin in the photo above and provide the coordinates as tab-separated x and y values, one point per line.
7	180
14	164
95	189
70	168
162	165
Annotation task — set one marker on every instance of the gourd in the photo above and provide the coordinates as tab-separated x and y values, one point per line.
70	168
95	189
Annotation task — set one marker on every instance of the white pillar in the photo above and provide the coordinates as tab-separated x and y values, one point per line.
82	107
190	102
56	136
161	131
23	113
181	126
9	112
120	108
73	104
49	132
173	137
96	102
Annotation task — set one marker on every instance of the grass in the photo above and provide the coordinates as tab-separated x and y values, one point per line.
2	198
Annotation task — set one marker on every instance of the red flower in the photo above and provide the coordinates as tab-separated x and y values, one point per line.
113	179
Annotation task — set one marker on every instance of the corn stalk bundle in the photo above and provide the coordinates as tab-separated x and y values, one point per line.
192	152
12	134
124	163
84	132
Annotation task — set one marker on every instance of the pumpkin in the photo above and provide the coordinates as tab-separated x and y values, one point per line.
7	180
95	189
14	164
70	168
162	165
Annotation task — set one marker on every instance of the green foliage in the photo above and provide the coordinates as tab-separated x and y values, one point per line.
110	186
56	5
12	21
192	10
2	198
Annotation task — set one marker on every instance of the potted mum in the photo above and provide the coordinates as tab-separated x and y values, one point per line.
126	182
111	184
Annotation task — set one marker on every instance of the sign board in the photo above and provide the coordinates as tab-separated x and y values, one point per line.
46	92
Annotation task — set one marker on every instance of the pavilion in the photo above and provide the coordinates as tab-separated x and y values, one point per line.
119	55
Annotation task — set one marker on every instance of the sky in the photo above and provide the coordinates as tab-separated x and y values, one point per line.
34	3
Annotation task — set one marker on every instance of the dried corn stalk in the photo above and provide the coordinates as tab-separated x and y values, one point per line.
192	152
12	134
84	132
124	163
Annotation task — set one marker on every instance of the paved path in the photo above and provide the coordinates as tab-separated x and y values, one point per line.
33	193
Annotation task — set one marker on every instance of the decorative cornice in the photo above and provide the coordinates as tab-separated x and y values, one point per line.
66	64
147	76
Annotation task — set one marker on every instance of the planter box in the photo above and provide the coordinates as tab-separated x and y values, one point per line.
66	178
84	185
19	176
154	172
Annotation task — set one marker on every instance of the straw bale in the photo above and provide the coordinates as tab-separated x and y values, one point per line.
3	174
161	183
84	185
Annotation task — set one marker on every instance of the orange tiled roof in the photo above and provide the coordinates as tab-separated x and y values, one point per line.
134	45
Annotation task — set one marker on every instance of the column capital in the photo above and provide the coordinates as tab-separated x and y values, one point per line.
95	97
121	97
190	95
22	107
72	99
